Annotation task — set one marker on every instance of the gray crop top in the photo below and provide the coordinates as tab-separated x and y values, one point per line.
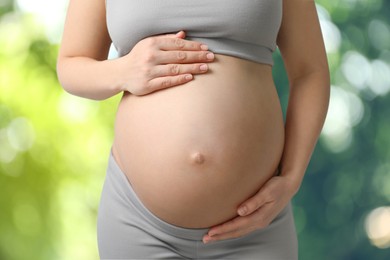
242	28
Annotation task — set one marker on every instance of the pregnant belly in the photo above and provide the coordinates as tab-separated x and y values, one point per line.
194	152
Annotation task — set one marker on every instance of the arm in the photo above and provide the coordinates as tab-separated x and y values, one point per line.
82	67
153	63
302	48
301	45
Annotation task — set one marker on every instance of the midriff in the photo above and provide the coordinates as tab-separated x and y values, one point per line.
193	153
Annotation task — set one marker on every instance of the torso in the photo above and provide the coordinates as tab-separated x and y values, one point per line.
194	152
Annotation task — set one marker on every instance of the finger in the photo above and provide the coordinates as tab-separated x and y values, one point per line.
253	203
234	234
179	34
233	225
177	69
182	57
175	43
243	225
167	82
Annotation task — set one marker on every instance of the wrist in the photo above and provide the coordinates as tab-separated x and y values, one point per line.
294	181
116	81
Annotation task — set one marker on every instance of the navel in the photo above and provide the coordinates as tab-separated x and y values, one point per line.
197	158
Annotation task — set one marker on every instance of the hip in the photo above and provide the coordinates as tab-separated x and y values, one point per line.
127	229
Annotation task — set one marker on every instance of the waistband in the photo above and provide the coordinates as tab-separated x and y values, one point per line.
121	182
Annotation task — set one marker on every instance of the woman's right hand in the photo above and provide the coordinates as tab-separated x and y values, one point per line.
163	61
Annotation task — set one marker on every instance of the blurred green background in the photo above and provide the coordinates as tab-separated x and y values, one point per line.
54	146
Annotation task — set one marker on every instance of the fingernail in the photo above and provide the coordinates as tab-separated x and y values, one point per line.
178	33
189	76
204	47
206	240
210	55
203	67
242	211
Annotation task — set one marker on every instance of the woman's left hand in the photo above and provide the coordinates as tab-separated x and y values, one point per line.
258	211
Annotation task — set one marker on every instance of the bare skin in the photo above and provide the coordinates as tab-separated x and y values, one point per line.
200	150
194	152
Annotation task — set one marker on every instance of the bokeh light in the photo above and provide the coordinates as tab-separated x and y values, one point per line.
378	227
7	152
21	134
345	111
379	34
48	13
331	33
357	69
76	109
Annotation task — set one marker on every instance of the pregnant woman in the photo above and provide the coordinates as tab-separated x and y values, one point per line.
202	165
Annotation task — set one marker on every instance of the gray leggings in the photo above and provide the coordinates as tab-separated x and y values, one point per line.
128	230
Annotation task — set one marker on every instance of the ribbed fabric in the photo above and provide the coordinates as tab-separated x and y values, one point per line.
246	29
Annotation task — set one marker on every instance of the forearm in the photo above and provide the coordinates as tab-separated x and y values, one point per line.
306	113
89	78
